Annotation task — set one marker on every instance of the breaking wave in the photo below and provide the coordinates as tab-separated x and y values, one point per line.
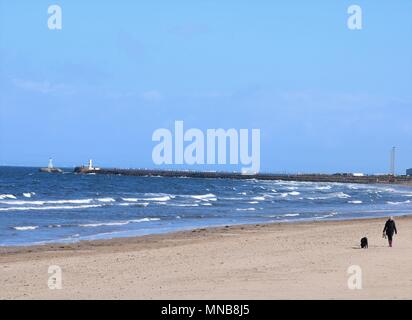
27	228
119	223
50	208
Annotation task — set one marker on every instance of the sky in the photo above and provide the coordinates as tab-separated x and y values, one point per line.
325	98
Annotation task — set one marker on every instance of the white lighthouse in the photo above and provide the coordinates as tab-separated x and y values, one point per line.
50	168
90	164
50	165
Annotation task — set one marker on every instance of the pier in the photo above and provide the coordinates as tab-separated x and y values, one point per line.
339	177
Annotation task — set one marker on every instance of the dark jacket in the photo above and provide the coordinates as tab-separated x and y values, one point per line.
390	227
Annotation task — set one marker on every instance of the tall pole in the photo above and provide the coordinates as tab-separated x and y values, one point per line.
393	160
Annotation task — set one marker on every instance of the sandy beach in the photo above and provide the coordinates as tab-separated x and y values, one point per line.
273	261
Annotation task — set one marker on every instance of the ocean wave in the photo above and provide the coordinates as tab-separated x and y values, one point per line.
135	204
106	200
355	202
69	201
400	202
131	199
292	188
25	228
245	209
259	198
341	195
50	208
42	202
119	223
324	188
291	215
205	197
294	193
28	194
231	198
7	196
332	214
162	199
269	196
22	202
184	205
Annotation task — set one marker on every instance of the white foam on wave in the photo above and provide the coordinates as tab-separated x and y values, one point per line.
292	188
355	202
119	223
106	200
131	199
332	214
245	209
41	202
268	195
324	188
50	208
205	197
342	195
26	228
162	199
231	198
400	202
291	215
317	198
7	196
259	198
294	193
28	194
184	205
70	201
22	202
253	202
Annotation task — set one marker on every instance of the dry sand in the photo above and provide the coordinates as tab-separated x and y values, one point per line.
275	261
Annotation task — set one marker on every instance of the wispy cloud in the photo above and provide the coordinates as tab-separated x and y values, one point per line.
42	87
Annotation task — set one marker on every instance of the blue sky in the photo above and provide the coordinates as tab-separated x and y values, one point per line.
326	99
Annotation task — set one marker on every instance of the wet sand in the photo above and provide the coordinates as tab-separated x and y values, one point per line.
267	261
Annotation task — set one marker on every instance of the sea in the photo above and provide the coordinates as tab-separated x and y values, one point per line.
40	208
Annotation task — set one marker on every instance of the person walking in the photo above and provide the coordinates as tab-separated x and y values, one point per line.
389	230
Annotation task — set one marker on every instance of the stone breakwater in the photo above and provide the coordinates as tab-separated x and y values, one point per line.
339	178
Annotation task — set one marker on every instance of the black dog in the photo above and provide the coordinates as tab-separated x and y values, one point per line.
364	243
